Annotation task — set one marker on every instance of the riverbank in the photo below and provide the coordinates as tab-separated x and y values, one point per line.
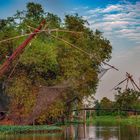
131	120
11	129
28	129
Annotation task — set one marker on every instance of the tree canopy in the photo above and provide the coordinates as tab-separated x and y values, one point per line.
48	61
127	99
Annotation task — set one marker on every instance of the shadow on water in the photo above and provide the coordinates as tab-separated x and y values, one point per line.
85	132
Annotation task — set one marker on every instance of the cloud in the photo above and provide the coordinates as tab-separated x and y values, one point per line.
112	8
122	19
138	42
113	17
120	23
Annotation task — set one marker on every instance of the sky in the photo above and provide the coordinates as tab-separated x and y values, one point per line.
119	20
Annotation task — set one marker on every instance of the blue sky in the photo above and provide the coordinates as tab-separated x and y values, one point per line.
119	20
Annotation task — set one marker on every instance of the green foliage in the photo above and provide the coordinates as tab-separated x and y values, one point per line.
53	21
105	103
27	129
127	99
52	113
34	11
40	56
3	23
124	100
22	95
7	31
97	106
48	61
107	120
75	22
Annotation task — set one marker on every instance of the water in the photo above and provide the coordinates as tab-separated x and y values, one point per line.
84	132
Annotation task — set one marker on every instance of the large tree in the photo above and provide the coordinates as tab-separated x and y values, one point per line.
49	62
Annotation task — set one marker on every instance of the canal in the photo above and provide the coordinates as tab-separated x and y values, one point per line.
98	131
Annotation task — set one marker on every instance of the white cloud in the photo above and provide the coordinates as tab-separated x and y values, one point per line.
112	8
89	17
109	26
122	19
110	17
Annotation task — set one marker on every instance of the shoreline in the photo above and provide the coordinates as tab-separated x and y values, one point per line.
130	120
28	129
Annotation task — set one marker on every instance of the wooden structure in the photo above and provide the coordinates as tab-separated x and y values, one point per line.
6	65
129	78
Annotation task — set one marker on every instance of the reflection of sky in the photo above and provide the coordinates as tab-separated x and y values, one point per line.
95	132
91	132
118	19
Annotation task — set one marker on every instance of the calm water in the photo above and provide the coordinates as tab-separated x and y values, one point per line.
83	132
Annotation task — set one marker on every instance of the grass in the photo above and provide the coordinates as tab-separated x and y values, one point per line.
131	120
27	129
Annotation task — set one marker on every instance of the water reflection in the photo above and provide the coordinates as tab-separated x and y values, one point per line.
91	132
102	132
98	131
76	131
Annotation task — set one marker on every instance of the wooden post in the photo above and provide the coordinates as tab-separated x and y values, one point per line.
71	117
136	115
84	118
90	116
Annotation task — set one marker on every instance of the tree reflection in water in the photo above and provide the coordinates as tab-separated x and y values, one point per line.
98	131
102	132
